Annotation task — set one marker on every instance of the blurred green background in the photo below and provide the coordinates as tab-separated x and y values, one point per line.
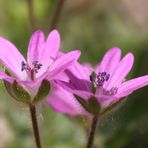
93	26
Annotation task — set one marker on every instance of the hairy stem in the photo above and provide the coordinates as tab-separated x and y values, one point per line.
92	132
31	16
56	14
35	125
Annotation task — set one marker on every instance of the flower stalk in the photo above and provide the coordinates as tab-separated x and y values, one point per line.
31	16
56	14
35	125
92	132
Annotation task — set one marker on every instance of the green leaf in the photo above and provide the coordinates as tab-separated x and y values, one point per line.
20	93
43	91
94	105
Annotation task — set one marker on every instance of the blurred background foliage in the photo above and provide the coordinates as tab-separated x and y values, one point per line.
93	26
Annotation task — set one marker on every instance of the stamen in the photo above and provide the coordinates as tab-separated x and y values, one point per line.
24	66
36	65
113	91
99	79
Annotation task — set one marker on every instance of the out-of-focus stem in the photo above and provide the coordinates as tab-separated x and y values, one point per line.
31	15
92	132
56	14
35	125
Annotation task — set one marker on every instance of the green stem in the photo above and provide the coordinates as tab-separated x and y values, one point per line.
35	125
92	132
56	14
31	16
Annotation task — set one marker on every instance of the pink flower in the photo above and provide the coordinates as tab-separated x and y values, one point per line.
42	61
105	84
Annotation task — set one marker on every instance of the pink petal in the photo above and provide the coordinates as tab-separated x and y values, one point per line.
104	100
52	46
11	58
6	77
109	61
81	71
72	89
87	70
62	76
63	101
128	87
60	53
79	84
49	53
121	71
63	62
36	46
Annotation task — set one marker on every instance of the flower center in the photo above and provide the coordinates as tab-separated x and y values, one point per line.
100	78
28	69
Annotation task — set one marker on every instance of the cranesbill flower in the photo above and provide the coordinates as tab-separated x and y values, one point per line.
27	75
100	88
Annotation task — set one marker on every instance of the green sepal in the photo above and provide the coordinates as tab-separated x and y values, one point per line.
16	91
20	93
8	87
43	91
82	102
91	105
94	106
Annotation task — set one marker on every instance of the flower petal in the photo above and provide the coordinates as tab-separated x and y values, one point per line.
72	89
109	61
121	71
49	53
11	58
105	100
36	46
129	86
52	46
63	62
6	77
63	101
81	71
79	84
88	69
